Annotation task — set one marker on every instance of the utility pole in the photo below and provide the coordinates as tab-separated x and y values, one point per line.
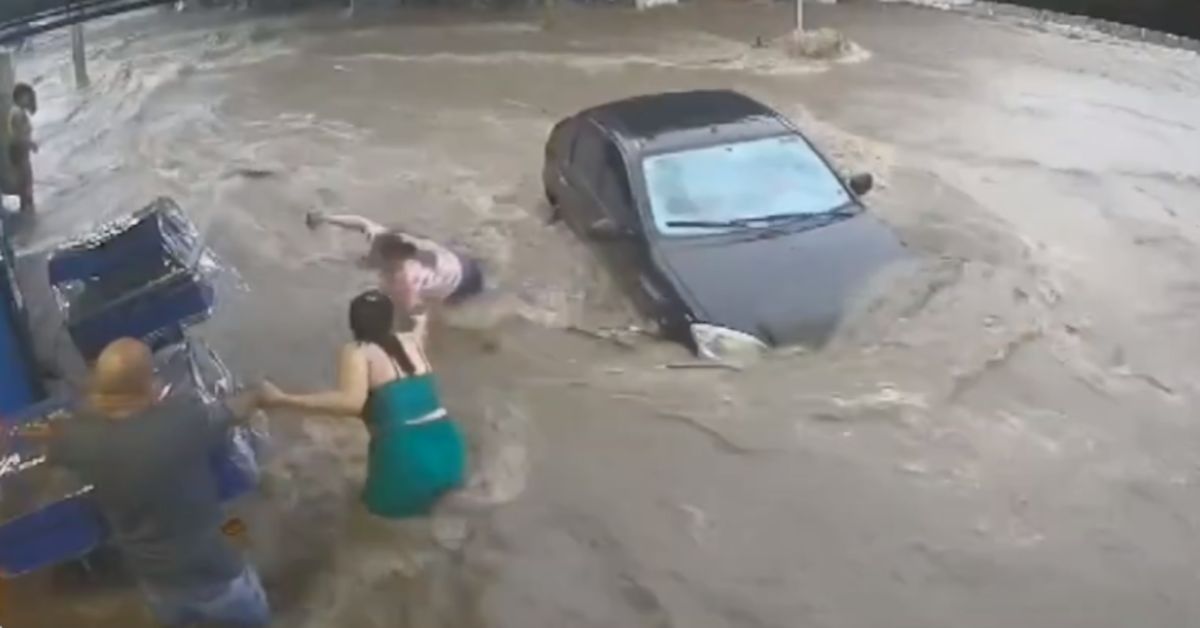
7	80
79	53
79	56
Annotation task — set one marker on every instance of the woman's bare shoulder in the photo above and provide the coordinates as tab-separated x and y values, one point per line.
409	338
354	349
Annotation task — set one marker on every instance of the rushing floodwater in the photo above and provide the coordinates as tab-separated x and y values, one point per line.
1003	436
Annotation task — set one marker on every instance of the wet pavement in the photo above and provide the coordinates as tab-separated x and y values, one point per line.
1003	434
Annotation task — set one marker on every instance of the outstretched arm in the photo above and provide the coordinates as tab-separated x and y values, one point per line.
347	399
368	227
365	226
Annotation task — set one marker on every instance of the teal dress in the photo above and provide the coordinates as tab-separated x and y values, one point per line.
413	459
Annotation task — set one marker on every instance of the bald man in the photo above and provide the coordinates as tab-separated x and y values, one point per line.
147	458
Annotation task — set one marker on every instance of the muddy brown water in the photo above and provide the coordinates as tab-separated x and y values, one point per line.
1004	433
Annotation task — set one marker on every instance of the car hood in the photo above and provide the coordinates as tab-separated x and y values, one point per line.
785	288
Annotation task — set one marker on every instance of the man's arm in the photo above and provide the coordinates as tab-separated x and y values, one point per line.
46	435
40	433
48	428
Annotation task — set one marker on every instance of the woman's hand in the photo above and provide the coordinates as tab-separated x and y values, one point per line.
345	400
270	395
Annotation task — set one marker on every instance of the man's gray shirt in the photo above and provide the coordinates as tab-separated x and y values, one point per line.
156	488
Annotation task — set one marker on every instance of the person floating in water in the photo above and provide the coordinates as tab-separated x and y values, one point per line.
21	145
417	454
415	272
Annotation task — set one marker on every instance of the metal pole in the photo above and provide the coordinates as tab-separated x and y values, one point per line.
799	16
8	78
79	56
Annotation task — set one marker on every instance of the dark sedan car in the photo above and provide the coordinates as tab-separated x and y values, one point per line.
722	222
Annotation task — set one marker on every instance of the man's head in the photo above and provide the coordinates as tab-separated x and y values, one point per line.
24	97
122	379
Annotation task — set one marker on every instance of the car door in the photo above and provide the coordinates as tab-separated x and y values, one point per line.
579	182
627	252
558	163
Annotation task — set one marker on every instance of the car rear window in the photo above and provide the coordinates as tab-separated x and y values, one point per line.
743	180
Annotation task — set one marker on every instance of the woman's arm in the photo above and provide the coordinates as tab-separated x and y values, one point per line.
347	399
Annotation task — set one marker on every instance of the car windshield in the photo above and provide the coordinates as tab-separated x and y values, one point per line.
729	186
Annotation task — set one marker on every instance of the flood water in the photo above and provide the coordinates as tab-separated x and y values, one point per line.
1003	435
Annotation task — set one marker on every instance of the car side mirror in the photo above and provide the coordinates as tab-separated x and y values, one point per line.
607	230
861	183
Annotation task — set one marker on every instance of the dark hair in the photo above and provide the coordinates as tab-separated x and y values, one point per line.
372	317
391	247
23	89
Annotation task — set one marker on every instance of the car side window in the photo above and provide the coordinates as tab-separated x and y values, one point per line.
587	155
559	146
613	187
600	164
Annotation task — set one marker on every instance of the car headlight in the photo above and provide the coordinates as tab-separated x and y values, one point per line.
720	343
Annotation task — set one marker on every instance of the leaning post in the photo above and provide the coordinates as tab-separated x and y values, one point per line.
8	78
79	56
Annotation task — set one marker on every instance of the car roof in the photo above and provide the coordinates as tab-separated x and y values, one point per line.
650	119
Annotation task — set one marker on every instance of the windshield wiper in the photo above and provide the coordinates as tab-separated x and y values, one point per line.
710	224
842	211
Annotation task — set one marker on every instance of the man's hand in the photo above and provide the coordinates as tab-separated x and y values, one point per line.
243	404
42	431
314	219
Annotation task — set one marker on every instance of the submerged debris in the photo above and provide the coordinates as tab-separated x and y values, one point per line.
697	365
251	173
823	43
613	336
719	440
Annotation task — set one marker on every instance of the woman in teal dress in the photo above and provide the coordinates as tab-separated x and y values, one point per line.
417	454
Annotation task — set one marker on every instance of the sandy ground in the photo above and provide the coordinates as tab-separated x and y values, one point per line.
1004	435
